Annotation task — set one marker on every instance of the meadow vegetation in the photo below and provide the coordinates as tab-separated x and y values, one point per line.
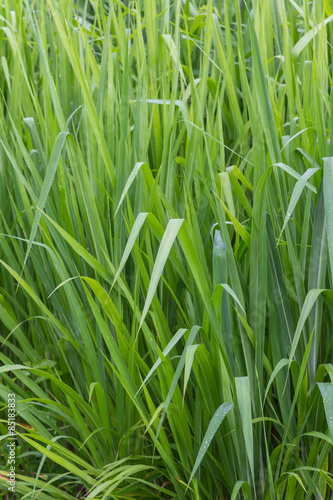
166	248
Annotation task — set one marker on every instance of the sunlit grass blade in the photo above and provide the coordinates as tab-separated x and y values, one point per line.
164	249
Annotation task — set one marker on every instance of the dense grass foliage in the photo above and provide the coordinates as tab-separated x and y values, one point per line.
166	189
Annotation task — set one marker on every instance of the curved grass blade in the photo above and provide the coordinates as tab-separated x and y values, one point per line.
298	189
177	102
246	490
294	174
162	255
308	304
49	176
131	178
230	291
166	351
55	457
243	233
328	199
283	362
214	424
189	356
306	39
130	243
244	402
263	98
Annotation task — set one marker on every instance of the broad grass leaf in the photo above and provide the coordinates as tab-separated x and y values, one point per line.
278	294
120	474
154	417
296	476
83	252
294	137
243	233
227	191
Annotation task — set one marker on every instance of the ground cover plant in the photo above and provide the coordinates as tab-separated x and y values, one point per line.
166	248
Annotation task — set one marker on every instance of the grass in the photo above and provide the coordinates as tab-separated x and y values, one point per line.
167	248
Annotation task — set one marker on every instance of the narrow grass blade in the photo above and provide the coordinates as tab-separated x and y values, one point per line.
214	424
190	351
328	199
230	291
244	401
306	39
263	99
49	176
193	333
326	390
294	174
162	255
241	485
131	178
140	220
308	304
175	339
298	189
279	366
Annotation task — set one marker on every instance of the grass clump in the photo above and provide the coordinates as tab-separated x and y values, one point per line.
167	248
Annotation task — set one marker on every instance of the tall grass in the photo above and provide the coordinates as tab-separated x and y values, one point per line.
167	248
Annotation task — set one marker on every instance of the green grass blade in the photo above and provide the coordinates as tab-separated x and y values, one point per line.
298	189
163	252
47	183
242	385
328	198
326	390
214	424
